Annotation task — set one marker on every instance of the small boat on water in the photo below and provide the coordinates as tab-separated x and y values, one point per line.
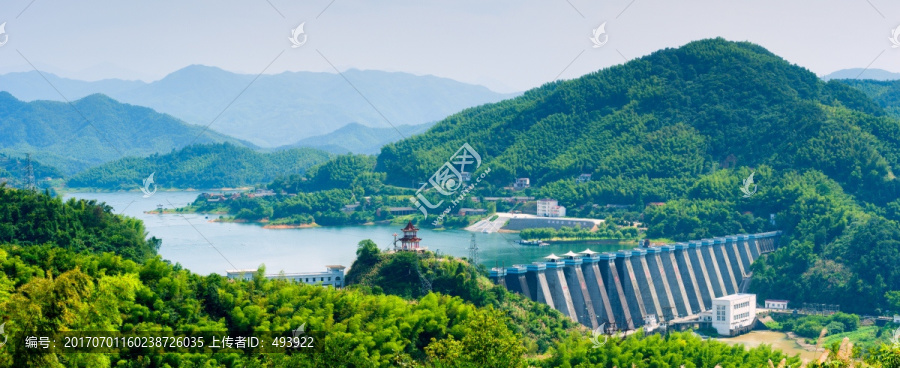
534	243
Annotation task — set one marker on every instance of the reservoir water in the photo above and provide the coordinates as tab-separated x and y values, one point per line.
207	247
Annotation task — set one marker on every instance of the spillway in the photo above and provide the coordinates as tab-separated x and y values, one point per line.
624	288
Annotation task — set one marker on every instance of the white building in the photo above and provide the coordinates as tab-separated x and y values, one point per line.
733	314
522	183
550	208
333	276
776	304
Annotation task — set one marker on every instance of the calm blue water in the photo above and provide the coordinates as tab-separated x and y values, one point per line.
210	247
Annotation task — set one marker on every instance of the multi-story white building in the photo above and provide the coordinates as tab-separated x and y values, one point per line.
550	208
733	314
333	276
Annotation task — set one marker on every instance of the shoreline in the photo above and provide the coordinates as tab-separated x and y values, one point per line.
285	226
67	190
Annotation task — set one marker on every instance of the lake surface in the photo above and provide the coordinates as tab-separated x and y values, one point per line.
207	247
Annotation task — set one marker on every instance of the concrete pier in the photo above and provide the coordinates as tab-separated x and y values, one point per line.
721	255
754	246
645	282
661	281
516	281
622	310
581	298
542	289
714	272
498	276
674	273
734	255
690	278
559	288
744	241
596	287
631	287
703	280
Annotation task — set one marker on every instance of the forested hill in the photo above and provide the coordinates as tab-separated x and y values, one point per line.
669	114
92	130
201	166
885	93
13	169
686	126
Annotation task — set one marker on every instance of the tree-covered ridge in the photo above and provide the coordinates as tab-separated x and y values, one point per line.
51	289
46	288
660	130
672	114
885	93
13	169
322	195
465	321
31	218
92	130
222	165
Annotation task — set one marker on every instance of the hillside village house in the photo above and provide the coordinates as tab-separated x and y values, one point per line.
522	183
776	304
550	208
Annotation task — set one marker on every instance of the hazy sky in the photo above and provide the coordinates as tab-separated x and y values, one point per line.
505	45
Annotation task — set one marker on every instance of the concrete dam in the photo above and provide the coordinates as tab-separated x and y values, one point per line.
630	288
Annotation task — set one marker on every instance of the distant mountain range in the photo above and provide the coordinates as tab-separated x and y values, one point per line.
357	138
859	73
275	110
98	129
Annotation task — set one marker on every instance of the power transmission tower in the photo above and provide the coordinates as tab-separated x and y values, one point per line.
473	252
425	283
29	174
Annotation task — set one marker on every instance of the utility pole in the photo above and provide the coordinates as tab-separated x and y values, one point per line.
29	174
473	252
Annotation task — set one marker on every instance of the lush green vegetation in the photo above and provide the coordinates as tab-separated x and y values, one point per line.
605	230
885	93
32	218
388	317
320	197
13	171
97	130
49	289
223	165
811	326
686	126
